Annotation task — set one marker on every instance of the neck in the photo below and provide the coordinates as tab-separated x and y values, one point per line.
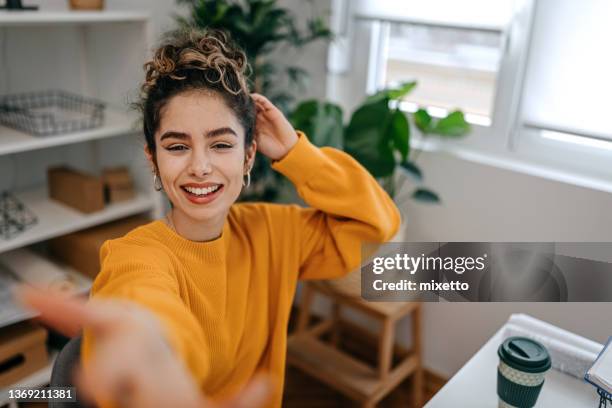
196	230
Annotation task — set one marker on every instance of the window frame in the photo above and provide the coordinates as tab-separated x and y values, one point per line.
508	142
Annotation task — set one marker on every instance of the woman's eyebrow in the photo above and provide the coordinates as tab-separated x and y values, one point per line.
221	131
211	133
175	135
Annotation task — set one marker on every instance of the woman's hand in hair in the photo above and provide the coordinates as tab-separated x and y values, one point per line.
131	364
274	134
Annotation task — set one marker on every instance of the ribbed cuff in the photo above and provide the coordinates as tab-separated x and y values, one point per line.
303	160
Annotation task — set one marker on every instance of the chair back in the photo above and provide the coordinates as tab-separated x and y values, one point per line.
62	374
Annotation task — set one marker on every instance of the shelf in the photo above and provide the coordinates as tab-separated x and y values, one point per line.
55	218
332	366
29	18
115	124
342	371
19	314
37	379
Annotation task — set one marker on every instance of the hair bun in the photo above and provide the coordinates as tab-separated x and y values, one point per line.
210	51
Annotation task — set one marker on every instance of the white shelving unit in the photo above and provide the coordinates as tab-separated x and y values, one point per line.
96	54
55	219
116	124
25	18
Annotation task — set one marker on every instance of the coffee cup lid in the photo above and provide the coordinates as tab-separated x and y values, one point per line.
524	354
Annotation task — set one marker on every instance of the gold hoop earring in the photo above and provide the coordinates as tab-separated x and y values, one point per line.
157	185
248	183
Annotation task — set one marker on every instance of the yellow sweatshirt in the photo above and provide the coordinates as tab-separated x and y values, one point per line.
225	304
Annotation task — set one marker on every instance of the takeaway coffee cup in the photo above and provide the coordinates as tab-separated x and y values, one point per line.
520	375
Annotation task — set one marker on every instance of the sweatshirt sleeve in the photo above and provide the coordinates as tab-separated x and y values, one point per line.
130	272
347	208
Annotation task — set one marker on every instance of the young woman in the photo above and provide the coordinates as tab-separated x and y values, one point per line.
213	282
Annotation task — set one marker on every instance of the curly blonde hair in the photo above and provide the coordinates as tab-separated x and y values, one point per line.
196	60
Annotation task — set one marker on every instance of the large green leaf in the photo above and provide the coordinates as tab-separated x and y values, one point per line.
422	120
394	93
400	133
413	170
402	90
366	138
322	122
426	196
453	125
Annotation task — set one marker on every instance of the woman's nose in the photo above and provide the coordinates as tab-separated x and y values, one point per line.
200	164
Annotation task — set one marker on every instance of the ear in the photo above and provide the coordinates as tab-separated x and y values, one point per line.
250	156
150	159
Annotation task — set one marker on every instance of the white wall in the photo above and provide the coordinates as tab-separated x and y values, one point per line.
483	203
313	56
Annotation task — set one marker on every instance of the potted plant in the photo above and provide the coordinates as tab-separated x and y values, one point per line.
378	134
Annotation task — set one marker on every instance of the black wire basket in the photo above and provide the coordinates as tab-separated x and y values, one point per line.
15	217
50	112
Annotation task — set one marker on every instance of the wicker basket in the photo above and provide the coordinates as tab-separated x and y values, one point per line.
86	4
51	112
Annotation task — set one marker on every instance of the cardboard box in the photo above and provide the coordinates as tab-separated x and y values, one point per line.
76	189
81	249
86	4
118	185
22	352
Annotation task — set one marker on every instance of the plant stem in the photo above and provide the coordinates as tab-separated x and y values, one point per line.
415	156
417	152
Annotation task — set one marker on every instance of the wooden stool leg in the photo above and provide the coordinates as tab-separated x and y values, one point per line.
368	404
335	330
303	319
418	379
385	348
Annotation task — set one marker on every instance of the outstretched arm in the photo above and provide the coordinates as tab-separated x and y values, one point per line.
132	365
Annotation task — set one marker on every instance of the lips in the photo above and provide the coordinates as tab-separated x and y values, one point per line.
202	193
201	185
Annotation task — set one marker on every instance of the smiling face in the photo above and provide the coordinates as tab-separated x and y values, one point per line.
201	156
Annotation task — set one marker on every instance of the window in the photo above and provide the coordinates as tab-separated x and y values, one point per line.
454	67
536	74
568	82
454	58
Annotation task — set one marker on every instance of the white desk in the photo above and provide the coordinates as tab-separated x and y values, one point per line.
475	385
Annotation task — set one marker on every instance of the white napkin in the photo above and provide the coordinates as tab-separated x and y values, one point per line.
569	352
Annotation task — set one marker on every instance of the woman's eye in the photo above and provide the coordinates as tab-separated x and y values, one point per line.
223	146
176	147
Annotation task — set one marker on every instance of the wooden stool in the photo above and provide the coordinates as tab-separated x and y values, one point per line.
348	375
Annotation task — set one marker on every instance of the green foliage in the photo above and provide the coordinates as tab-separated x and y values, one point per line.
366	138
452	125
392	94
413	170
259	27
425	195
378	135
322	122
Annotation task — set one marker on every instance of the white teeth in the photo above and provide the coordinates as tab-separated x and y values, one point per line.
202	191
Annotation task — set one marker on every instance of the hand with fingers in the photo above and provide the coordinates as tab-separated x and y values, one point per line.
131	365
274	134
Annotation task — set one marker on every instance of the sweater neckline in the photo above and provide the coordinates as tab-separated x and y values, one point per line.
213	250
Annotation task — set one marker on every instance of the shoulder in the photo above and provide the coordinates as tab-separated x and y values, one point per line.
142	244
